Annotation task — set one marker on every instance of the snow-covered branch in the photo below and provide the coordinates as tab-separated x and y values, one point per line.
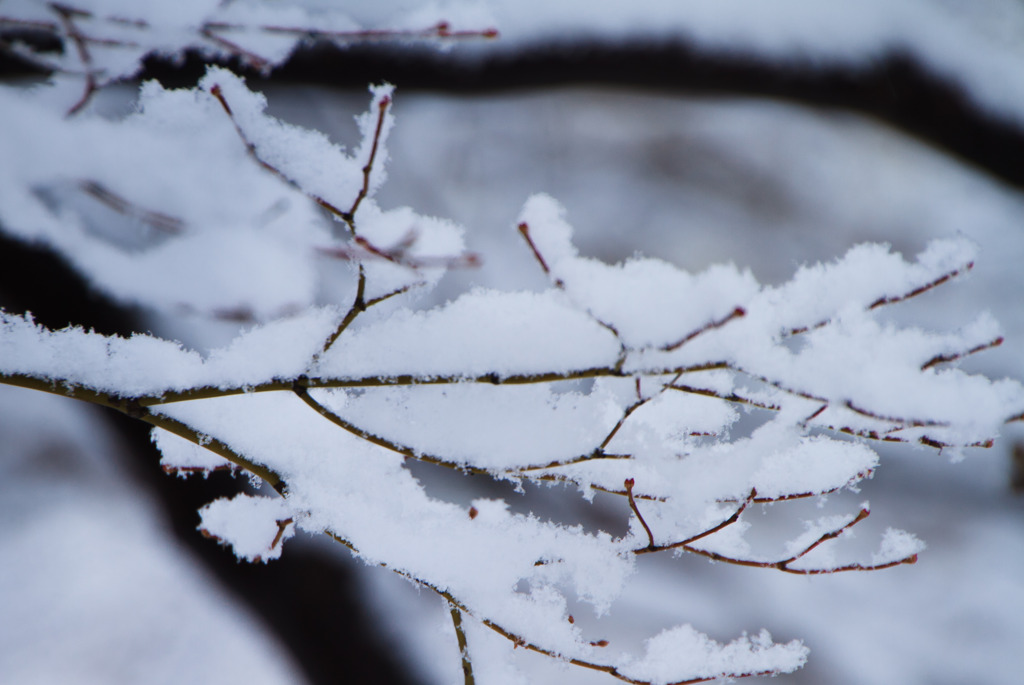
623	378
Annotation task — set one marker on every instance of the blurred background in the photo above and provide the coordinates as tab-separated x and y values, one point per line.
766	134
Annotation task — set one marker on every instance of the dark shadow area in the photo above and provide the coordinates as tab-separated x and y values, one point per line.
307	599
897	89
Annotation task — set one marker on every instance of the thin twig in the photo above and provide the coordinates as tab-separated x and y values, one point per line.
710	531
382	108
629	482
883	301
736	313
66	15
358	306
119	204
946	358
460	636
784	564
731	397
218	93
208	31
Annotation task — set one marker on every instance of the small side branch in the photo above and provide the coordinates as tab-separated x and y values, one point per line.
358	307
710	531
217	93
946	358
883	301
629	482
736	313
460	636
730	397
784	565
158	220
66	15
382	109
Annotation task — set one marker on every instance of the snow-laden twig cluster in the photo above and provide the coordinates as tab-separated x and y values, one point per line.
98	42
629	379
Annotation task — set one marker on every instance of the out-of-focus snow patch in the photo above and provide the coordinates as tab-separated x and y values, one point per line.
93	587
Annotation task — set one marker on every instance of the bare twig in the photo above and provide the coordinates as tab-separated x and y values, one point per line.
460	636
282	526
736	313
952	357
629	482
119	204
710	531
218	93
67	15
784	564
209	31
382	109
882	301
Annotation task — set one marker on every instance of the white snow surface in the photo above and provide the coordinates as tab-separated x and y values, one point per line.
859	372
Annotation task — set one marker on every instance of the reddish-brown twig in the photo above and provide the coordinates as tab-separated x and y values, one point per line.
119	204
736	313
710	531
952	357
629	482
382	109
218	93
784	565
882	301
66	16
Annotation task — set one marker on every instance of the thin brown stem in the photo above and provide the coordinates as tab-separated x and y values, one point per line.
629	482
66	15
209	31
710	531
883	301
282	526
731	397
460	636
119	204
903	423
736	313
218	93
135	410
946	358
358	306
784	564
382	108
524	230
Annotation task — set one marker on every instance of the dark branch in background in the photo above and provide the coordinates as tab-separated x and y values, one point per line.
67	16
895	87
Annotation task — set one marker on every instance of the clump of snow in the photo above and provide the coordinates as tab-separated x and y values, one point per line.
182	457
254	527
896	545
685	650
